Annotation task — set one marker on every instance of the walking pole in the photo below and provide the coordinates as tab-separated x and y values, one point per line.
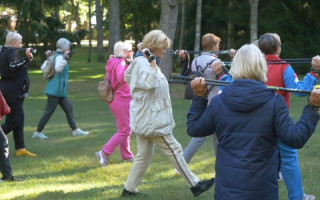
187	79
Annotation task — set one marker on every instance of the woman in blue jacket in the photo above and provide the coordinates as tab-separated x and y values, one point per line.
249	119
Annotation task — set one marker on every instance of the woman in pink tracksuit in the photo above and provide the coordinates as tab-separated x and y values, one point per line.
120	105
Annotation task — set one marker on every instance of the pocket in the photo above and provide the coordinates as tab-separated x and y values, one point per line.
161	114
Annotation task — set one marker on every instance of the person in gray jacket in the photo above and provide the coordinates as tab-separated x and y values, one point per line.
151	116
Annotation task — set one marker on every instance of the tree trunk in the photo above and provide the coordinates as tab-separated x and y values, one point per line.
183	24
114	25
168	24
198	27
90	31
253	20
230	44
100	49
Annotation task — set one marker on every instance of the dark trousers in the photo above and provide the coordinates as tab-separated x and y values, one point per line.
52	103
15	122
5	166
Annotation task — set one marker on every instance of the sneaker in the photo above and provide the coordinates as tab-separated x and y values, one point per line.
129	160
12	179
24	152
78	131
126	193
40	135
201	187
176	172
308	197
102	158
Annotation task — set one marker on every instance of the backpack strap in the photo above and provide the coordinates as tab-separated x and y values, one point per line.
209	64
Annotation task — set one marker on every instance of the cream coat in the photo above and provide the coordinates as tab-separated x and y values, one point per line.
150	108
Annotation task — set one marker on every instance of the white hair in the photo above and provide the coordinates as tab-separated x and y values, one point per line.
63	44
249	63
11	38
120	48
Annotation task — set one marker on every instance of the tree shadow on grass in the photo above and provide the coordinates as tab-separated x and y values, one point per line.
84	194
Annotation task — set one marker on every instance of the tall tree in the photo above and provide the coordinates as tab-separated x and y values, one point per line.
198	26
230	44
183	24
114	24
75	15
100	49
253	20
168	24
90	31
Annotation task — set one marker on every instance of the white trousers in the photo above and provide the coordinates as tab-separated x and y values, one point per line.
170	147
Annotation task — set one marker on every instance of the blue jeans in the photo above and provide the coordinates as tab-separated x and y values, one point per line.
290	171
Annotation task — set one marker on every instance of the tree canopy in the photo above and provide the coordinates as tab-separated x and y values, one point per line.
44	21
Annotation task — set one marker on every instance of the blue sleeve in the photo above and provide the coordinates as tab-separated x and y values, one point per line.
198	122
226	78
139	53
291	134
291	82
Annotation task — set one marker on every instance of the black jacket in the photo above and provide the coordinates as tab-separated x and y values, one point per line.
14	81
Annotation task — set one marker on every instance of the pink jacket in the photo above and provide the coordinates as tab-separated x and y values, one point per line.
115	69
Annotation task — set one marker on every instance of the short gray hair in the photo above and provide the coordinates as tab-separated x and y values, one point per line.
121	47
249	63
11	38
63	44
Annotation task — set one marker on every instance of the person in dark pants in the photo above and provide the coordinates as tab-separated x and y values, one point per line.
14	85
56	91
5	166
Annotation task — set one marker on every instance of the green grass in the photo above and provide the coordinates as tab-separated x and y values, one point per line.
66	167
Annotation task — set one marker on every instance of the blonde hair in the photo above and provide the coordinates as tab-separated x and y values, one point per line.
121	47
11	38
156	40
249	63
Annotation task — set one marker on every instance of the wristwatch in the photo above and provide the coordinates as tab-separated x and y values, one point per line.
152	57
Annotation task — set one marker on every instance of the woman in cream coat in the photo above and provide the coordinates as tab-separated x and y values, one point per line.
151	116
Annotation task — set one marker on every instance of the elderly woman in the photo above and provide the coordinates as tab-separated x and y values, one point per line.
151	116
14	86
249	119
56	91
120	104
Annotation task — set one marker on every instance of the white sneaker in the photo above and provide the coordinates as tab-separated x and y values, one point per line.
102	158
39	135
308	197
78	131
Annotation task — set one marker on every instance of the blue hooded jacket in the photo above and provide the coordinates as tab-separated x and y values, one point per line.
248	119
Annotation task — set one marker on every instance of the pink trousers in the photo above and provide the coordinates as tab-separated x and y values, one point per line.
120	110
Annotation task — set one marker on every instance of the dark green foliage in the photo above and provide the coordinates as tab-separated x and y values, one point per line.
138	17
36	27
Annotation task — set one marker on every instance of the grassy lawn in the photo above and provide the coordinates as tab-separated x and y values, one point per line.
66	167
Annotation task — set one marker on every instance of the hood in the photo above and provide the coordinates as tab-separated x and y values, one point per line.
245	95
